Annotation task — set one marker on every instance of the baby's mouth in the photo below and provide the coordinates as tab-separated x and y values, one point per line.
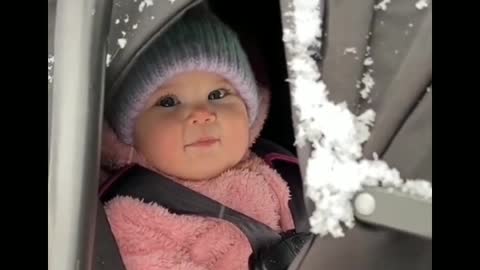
203	142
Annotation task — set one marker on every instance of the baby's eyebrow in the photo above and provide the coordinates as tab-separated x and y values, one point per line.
225	82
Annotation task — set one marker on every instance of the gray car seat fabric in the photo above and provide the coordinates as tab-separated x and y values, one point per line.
399	41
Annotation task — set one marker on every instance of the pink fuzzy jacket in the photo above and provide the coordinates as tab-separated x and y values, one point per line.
149	237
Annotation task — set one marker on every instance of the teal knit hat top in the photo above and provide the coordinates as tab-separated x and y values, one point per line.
198	41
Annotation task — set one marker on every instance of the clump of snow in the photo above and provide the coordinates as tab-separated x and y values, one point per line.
171	1
429	89
335	171
51	61
368	84
421	4
124	33
144	3
418	188
122	42
125	20
351	50
410	25
109	59
368	61
117	21
134	26
141	6
367	79
382	5
153	17
367	52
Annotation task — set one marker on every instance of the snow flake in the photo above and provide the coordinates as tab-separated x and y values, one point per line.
351	50
122	42
421	4
117	21
368	84
134	26
368	61
145	3
141	6
125	20
109	59
382	5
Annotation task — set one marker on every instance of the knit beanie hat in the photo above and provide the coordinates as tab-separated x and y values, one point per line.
198	41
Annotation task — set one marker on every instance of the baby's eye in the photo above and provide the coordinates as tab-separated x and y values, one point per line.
167	101
217	94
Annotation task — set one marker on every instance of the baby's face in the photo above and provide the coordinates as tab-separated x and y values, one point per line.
195	127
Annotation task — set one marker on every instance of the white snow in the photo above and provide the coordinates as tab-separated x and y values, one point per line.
351	50
396	51
418	188
124	33
144	3
335	171
368	84
109	59
141	6
171	1
134	26
421	4
429	89
51	61
122	42
125	20
382	5
368	61
410	25
117	21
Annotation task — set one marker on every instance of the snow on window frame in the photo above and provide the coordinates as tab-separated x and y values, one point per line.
336	169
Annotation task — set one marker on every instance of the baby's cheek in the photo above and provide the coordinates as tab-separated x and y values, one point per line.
166	143
237	131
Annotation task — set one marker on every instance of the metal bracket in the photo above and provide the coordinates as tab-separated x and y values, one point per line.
394	209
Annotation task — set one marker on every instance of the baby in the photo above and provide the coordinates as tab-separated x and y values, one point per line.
190	109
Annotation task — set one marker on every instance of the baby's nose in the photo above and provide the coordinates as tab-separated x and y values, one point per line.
202	116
